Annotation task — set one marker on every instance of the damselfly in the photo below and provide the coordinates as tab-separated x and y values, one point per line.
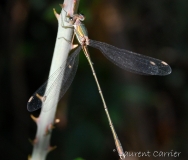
125	59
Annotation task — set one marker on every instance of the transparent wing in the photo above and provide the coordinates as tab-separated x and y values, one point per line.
43	95
131	61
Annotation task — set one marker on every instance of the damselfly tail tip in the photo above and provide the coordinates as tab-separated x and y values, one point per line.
122	156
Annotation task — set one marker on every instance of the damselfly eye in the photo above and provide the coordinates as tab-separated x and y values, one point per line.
71	18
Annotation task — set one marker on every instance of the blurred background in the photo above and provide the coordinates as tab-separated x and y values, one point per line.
149	112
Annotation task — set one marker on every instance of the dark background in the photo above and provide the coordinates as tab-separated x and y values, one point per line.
149	112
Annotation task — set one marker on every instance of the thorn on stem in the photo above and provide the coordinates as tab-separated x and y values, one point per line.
34	118
46	132
42	98
29	157
74	5
49	128
56	14
50	148
33	142
62	5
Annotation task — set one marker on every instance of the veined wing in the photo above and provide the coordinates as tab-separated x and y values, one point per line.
44	95
131	61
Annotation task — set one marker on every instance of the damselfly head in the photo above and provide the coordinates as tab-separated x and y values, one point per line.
77	17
